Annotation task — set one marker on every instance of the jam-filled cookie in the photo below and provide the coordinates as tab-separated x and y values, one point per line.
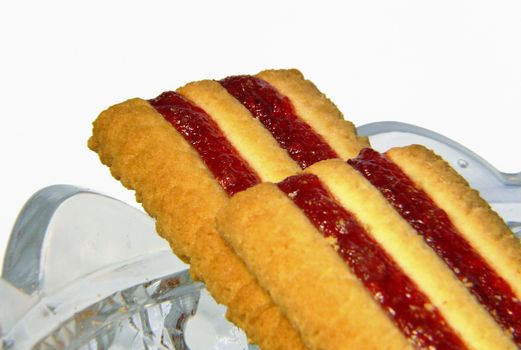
384	251
185	153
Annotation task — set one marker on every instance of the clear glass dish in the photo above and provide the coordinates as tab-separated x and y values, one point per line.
85	271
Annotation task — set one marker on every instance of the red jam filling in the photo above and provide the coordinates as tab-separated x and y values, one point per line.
415	206
276	113
398	295
228	167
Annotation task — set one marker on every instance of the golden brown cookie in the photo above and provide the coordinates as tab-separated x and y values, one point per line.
318	280
177	187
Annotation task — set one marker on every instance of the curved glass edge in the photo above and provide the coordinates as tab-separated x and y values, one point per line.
377	128
100	277
84	230
66	235
22	260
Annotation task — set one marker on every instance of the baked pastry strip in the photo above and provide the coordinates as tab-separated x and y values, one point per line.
177	189
278	114
271	162
496	282
304	274
317	110
438	230
413	255
263	153
283	261
122	144
475	220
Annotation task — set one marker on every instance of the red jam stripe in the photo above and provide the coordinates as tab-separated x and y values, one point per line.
276	113
397	294
415	206
229	168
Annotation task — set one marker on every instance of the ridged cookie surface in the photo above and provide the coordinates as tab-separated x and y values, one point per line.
302	268
304	274
475	220
177	188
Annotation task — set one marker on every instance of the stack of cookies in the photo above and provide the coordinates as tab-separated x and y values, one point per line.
310	238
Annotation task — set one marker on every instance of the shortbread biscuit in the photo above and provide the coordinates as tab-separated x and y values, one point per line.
482	227
303	273
317	110
178	188
319	271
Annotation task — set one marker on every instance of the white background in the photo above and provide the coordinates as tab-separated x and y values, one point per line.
450	66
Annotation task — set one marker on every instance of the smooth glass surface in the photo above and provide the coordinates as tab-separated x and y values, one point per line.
85	271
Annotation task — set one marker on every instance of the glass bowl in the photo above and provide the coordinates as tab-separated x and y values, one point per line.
86	271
